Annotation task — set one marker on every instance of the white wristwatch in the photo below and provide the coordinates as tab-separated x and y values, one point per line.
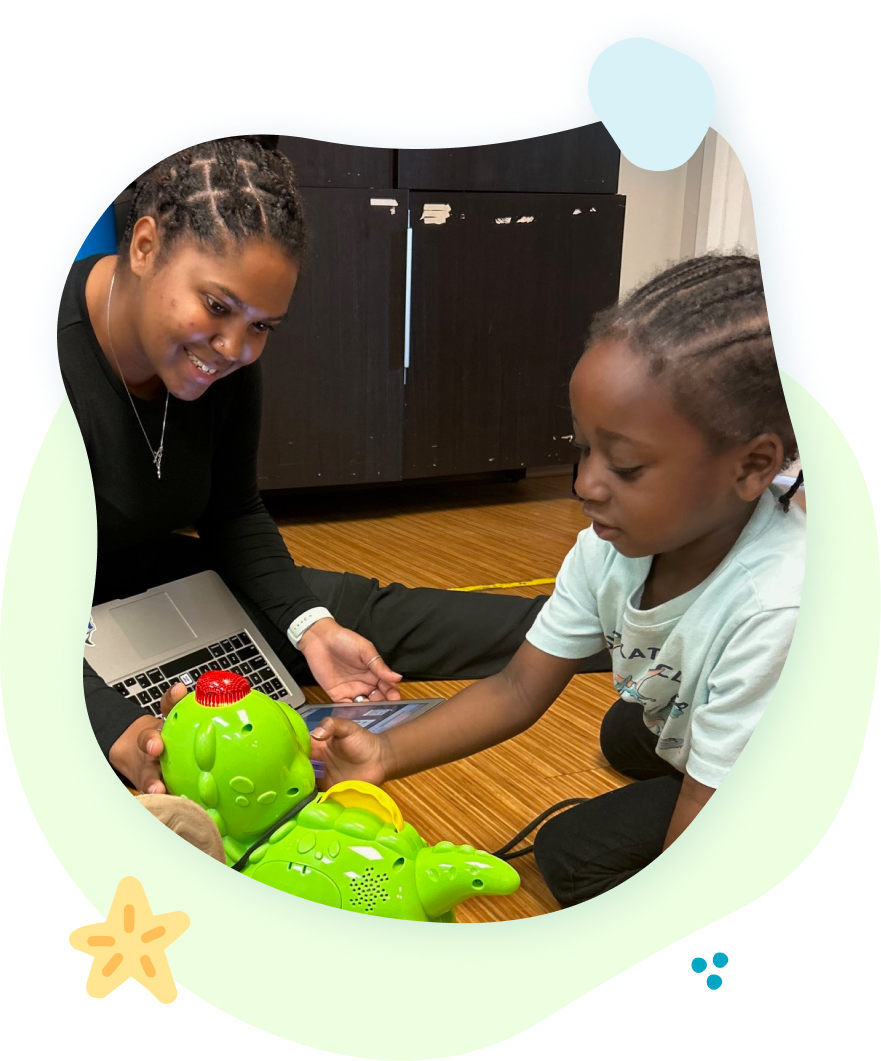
302	623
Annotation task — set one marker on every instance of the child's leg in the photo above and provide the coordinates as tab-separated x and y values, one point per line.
629	745
594	847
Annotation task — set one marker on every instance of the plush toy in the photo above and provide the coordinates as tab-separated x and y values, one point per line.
245	758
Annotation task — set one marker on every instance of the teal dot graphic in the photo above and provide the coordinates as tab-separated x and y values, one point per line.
720	960
714	982
698	965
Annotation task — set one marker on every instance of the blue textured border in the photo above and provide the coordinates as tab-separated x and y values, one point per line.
736	119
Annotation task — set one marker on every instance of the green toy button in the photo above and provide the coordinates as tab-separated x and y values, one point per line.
241	784
266	798
208	793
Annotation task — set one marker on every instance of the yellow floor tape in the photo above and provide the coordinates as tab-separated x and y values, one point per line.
505	585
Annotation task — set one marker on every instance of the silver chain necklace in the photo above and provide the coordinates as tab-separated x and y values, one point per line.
156	453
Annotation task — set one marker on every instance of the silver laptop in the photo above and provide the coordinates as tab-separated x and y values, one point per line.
143	645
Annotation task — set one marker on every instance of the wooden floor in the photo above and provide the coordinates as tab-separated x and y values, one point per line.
458	535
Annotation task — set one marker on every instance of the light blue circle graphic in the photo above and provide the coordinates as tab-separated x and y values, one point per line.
720	960
698	965
656	102
714	982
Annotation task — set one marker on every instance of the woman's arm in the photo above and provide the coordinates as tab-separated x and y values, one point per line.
245	545
249	553
128	736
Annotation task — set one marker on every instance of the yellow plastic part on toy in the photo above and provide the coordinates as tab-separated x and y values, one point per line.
367	797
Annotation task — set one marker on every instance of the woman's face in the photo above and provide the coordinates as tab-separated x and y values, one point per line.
200	315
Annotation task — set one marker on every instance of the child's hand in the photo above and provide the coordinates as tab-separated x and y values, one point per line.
135	754
349	752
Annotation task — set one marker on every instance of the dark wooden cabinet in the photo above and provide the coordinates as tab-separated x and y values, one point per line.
480	268
333	371
577	160
503	290
322	165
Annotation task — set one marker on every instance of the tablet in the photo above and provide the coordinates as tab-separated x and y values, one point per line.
375	715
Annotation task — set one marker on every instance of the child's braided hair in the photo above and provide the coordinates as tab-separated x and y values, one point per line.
221	191
703	325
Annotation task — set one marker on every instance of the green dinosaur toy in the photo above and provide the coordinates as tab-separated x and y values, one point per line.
245	758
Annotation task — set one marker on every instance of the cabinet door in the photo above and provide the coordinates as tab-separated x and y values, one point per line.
322	165
577	160
503	291
334	370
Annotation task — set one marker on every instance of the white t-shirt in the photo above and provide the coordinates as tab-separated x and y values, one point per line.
702	665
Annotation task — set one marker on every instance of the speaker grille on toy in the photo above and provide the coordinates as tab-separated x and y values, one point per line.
368	890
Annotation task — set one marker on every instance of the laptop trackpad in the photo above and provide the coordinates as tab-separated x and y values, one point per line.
153	625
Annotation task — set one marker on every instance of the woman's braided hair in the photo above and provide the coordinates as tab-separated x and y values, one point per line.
221	191
703	326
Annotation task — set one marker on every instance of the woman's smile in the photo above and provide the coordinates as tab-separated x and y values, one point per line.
201	371
201	365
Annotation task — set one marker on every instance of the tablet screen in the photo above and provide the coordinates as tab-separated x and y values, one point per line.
374	716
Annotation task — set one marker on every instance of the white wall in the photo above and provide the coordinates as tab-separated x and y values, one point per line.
702	206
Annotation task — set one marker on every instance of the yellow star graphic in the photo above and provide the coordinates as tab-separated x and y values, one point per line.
131	943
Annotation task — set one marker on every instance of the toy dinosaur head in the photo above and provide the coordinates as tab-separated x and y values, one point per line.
241	755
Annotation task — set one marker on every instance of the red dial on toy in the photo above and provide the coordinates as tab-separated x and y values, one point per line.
216	687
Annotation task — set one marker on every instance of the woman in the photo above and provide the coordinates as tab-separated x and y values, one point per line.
151	344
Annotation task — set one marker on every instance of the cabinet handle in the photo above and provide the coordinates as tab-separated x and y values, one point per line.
408	277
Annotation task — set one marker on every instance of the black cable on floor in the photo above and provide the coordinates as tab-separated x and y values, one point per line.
507	853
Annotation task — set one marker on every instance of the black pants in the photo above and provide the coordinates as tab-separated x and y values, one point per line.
424	634
589	849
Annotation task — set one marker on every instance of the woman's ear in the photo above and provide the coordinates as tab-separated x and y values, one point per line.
758	462
144	247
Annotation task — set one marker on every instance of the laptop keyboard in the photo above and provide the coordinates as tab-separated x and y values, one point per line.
238	654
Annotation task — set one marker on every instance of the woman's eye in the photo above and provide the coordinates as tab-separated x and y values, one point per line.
581	448
215	306
626	473
263	327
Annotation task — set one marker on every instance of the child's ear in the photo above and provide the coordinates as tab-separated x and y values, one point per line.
758	462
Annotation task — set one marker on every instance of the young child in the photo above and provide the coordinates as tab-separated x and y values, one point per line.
690	573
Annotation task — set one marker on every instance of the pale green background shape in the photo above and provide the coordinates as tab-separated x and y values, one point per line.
251	950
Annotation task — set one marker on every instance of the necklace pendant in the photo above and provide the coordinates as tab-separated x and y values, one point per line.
157	460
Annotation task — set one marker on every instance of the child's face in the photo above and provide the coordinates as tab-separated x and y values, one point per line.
648	478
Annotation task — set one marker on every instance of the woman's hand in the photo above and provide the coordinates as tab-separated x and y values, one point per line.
135	754
349	752
347	665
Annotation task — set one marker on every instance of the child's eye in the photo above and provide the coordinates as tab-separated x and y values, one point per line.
626	473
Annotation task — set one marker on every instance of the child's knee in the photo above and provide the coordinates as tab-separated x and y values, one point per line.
617	734
573	868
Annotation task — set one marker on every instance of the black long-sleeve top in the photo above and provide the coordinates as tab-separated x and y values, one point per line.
209	480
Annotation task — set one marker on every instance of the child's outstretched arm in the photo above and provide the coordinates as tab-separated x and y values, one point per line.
484	714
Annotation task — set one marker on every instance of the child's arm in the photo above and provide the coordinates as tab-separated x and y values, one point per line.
693	797
486	713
